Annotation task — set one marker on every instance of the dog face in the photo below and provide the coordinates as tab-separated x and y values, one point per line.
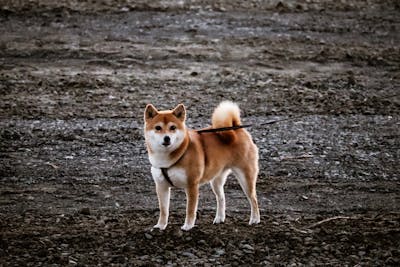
164	130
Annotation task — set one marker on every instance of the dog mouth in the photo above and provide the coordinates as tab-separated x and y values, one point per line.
166	144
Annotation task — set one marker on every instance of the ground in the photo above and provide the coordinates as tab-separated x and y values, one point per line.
75	183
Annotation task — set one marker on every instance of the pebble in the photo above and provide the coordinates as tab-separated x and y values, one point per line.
307	240
202	242
246	247
354	258
188	254
219	252
85	211
144	257
177	233
148	236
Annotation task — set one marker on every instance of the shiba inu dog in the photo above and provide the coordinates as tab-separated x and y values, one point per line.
186	159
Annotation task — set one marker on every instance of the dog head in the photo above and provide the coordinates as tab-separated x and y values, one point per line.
164	130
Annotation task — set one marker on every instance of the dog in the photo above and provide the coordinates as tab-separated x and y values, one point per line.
186	158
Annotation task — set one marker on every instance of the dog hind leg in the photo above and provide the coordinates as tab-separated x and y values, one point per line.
247	178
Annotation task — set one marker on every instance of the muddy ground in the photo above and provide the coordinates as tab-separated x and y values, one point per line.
75	184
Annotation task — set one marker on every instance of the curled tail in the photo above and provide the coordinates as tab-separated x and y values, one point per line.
227	114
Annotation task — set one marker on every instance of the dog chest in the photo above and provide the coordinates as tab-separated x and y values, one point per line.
177	175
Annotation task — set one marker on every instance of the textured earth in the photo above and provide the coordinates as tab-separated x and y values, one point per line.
75	183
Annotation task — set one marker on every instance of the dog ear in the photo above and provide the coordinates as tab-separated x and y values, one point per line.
180	112
150	112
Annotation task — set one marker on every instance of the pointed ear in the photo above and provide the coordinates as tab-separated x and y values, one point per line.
150	112
180	112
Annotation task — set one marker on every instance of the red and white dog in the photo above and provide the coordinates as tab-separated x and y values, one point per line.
186	159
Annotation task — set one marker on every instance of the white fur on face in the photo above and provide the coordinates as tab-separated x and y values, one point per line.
159	156
156	140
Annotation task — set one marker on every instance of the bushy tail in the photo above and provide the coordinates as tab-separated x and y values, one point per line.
227	114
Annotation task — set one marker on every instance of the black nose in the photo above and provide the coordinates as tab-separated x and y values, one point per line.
167	141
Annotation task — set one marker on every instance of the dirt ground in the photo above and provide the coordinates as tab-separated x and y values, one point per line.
75	183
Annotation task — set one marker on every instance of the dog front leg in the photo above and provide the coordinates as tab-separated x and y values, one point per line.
192	196
163	194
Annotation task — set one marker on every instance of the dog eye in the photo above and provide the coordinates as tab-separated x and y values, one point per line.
172	128
158	128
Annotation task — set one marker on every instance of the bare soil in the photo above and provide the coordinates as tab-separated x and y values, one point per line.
75	183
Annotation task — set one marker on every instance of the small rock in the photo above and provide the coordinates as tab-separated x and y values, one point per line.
307	240
148	236
247	247
85	211
238	253
248	251
144	257
72	262
177	233
202	242
354	258
219	252
217	242
188	254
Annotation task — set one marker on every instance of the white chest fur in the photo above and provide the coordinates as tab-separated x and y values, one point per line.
159	160
177	175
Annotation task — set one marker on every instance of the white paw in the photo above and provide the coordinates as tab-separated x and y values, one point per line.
255	220
218	220
160	226
187	227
